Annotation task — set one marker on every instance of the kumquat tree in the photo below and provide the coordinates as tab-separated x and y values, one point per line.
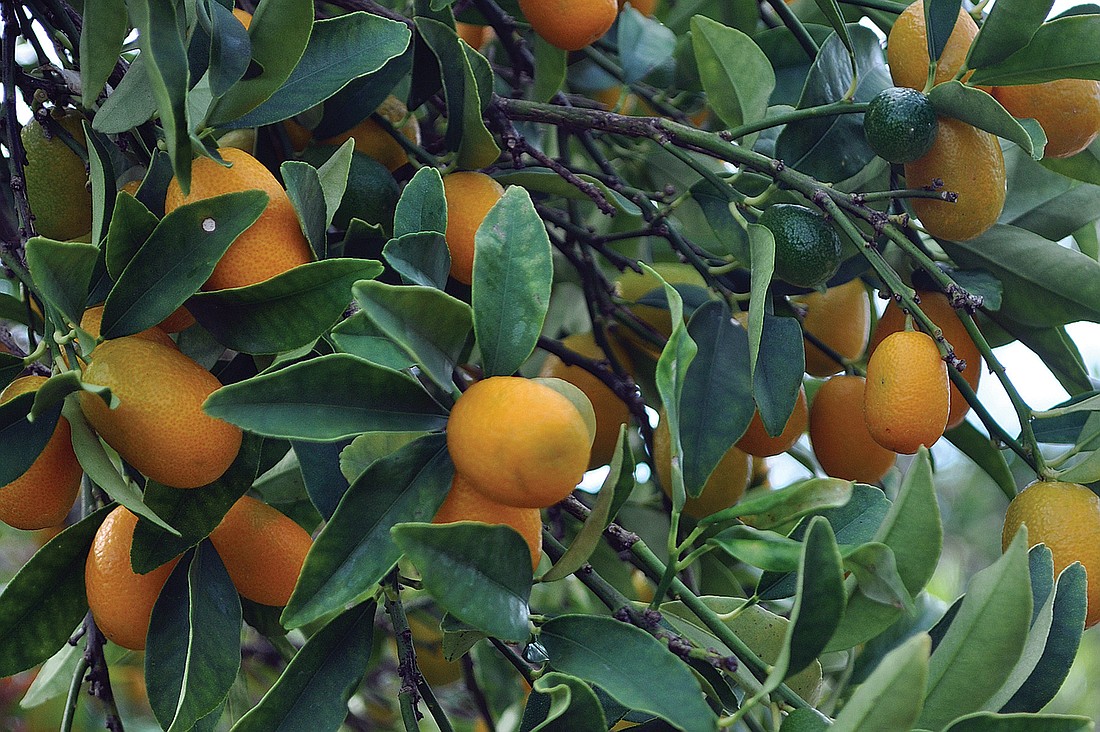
549	365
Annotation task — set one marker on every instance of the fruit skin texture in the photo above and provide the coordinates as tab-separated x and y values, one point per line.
1065	517
1067	109
970	163
907	48
519	442
905	404
272	245
262	549
469	196
56	181
610	410
159	426
466	503
723	488
840	318
839	435
757	442
807	250
120	599
371	139
900	124
44	495
570	24
937	307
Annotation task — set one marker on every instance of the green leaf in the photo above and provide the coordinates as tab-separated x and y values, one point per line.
131	104
359	336
340	49
1062	48
313	691
421	258
542	180
1008	28
62	272
984	641
21	440
354	550
303	186
160	25
327	398
131	225
429	325
913	530
288	311
976	107
478	148
54	678
762	261
319	464
737	77
44	602
716	403
193	513
571	706
875	569
989	722
513	272
230	48
892	697
480	573
550	70
101	36
176	259
607	653
279	32
832	12
644	44
985	455
10	367
422	206
53	392
334	176
769	508
940	19
192	654
361	453
102	176
1044	200
777	380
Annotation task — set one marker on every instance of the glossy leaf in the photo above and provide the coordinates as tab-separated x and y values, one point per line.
319	464
562	703
131	225
1065	47
230	48
435	340
940	19
340	49
285	312
176	259
422	206
769	509
354	550
62	272
480	573
736	75
513	272
1008	28
303	187
778	377
606	653
327	398
359	336
44	602
192	654
421	258
892	697
976	107
978	448
313	690
22	441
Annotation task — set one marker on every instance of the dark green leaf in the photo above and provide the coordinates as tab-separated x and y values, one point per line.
736	75
940	18
480	573
327	398
44	602
422	206
354	550
131	226
1044	200
513	272
303	186
359	336
313	691
778	376
979	448
976	107
562	703
230	49
193	650
1008	28
550	70
319	463
176	259
288	311
421	258
101	36
607	653
334	175
22	441
1063	48
62	272
102	176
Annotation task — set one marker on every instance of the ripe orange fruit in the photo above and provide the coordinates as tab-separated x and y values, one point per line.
611	411
56	180
632	287
93	318
272	245
121	600
570	24
969	162
840	318
372	140
937	307
243	16
475	36
838	433
645	7
724	487
1065	517
465	503
518	441
1067	109
159	426
262	549
42	496
905	404
469	197
907	48
180	320
757	442
131	187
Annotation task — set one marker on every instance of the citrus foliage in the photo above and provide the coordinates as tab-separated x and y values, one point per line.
425	264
